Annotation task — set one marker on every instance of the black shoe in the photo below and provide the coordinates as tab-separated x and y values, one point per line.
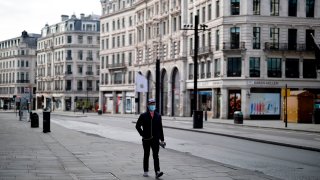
159	174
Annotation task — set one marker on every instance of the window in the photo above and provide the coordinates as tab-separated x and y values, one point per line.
235	7
292	39
69	55
123	23
174	24
235	37
80	39
191	18
80	54
69	69
209	12
130	59
203	14
234	67
191	71
118	78
79	85
274	67
217	39
123	40
256	38
209	39
254	67
274	38
274	8
309	39
89	57
309	8
309	68
130	39
218	8
292	8
130	21
69	39
68	88
256	7
79	69
292	68
102	44
89	39
202	69
107	27
209	69
102	62
118	41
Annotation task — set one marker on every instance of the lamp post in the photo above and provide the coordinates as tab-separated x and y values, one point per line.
196	123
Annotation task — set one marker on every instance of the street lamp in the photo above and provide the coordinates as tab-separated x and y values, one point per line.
197	122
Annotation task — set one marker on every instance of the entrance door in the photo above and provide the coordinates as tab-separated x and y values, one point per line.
234	102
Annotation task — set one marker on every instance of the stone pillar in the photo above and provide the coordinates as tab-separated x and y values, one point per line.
224	108
101	98
123	103
170	97
114	102
301	67
214	102
245	103
63	102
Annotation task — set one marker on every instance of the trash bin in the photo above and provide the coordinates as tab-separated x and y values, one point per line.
34	120
99	111
197	119
46	121
238	117
316	116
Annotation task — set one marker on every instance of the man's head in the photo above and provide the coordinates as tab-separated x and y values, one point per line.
151	104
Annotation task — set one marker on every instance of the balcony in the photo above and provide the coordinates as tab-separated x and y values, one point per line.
89	73
89	88
68	72
80	89
23	81
205	50
234	46
116	66
68	58
89	59
273	46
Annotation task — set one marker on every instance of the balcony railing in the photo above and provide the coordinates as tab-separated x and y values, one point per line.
68	72
202	50
89	88
89	73
23	81
233	45
286	47
89	58
116	65
68	58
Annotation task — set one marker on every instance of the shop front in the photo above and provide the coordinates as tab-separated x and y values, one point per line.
265	103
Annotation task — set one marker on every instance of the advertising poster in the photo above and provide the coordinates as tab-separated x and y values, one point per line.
265	104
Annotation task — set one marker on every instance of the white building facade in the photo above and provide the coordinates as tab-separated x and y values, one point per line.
17	70
249	52
68	65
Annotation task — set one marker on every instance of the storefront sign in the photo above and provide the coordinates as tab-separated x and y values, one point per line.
265	104
267	83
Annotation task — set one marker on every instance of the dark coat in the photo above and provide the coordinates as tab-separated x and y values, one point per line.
146	122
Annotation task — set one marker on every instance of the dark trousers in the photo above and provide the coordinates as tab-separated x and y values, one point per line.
154	145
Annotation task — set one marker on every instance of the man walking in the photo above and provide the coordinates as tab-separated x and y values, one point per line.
152	137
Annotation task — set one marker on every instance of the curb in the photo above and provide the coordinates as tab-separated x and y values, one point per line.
246	138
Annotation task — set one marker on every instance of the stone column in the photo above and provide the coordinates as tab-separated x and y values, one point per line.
214	102
63	102
224	103
170	98
123	106
101	98
114	102
245	103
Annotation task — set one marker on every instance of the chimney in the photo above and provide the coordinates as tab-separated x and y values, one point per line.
82	15
64	17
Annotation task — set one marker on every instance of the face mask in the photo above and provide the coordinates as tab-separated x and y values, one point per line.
152	107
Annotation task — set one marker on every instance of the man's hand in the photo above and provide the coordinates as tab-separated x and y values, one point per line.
163	144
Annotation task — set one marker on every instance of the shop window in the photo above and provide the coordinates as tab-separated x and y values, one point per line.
292	68
274	67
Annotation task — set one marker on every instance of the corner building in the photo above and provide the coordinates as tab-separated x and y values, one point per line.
68	65
248	53
17	70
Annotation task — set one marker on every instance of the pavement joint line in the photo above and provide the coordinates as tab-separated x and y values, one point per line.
245	138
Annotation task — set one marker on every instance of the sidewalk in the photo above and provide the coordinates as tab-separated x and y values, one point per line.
27	153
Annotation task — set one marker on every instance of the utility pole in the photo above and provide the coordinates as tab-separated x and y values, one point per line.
197	120
158	85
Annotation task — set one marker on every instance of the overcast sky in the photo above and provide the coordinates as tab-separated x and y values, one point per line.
31	15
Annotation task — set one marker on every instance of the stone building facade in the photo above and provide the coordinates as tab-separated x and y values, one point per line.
249	52
17	67
68	65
